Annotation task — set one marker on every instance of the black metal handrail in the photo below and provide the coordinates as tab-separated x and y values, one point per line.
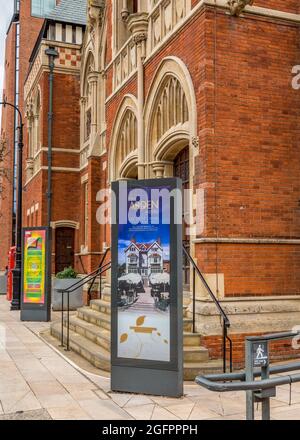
100	280
226	321
90	277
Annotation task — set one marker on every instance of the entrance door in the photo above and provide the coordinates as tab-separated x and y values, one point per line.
64	248
182	170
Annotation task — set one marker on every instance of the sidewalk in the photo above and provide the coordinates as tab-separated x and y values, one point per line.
36	382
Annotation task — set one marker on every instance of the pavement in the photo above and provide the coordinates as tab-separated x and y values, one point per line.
37	382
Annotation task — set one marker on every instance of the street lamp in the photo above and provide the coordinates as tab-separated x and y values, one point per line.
16	299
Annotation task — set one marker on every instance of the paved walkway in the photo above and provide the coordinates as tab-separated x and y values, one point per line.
36	382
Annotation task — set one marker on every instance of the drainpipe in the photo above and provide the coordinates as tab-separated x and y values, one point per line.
52	54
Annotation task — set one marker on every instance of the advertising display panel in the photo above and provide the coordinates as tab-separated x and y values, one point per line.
147	287
35	302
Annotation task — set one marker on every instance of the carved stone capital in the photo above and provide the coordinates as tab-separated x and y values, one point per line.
139	38
93	77
138	26
95	13
158	169
237	6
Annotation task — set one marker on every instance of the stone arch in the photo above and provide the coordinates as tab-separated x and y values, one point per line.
88	66
171	128
65	224
123	150
170	115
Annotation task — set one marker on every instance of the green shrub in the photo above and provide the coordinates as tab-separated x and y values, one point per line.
67	273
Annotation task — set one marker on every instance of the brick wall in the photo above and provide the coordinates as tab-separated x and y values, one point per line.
7	132
29	30
279	350
251	165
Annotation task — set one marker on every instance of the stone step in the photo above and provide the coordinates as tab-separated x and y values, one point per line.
106	296
101	305
194	369
187	324
94	317
92	332
101	337
185	307
104	309
90	351
191	339
195	354
100	357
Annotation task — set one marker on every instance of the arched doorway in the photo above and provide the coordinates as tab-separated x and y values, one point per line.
182	170
64	248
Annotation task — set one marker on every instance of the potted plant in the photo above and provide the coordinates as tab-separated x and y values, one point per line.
65	280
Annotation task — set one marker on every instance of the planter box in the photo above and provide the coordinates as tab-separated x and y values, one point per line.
76	297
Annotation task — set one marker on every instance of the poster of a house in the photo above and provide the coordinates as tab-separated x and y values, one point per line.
144	291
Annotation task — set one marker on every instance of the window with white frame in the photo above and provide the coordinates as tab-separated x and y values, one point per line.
40	8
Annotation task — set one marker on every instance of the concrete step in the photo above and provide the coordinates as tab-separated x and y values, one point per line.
90	351
191	339
185	307
187	324
101	336
195	354
104	308
106	296
101	305
94	317
92	332
194	369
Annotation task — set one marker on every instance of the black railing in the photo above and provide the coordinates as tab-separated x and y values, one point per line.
225	319
102	268
101	265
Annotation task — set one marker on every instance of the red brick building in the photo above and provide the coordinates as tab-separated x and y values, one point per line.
183	88
63	29
193	90
21	37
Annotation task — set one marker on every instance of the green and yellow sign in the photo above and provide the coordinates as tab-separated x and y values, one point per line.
34	266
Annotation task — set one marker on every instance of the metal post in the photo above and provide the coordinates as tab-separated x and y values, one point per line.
17	271
62	319
68	323
265	374
249	370
16	299
52	54
194	300
224	346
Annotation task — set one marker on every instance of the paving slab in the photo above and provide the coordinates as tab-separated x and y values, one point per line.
28	415
38	382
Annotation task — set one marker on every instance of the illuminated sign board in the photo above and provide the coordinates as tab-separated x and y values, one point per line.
147	287
35	302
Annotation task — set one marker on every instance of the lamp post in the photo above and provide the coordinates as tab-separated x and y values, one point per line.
16	299
52	53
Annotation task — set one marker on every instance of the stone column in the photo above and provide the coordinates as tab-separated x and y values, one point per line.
158	169
93	82
138	26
